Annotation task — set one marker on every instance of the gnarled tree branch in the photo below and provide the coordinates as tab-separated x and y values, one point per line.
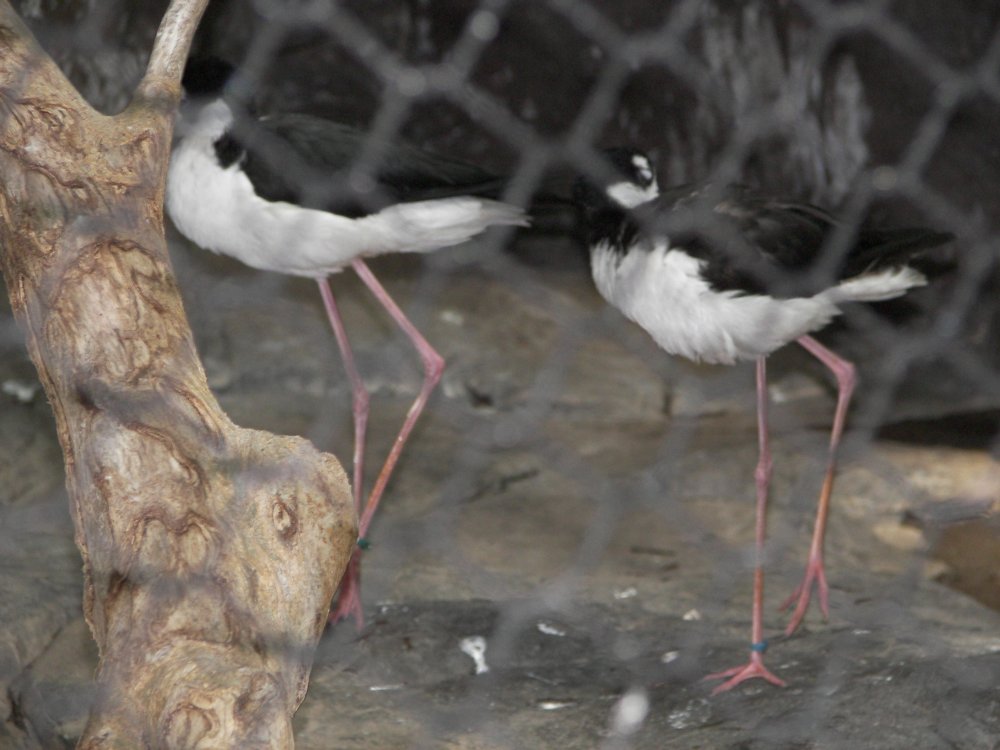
210	552
171	46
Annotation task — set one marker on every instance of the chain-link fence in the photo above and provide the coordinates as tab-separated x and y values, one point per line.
573	496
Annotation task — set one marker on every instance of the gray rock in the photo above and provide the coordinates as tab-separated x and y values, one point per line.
55	693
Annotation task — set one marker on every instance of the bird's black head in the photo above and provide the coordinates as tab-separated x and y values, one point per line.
632	183
633	165
206	76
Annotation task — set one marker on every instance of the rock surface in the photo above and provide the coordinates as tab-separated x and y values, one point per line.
574	497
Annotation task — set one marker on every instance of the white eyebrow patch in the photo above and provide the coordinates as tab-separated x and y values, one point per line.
641	163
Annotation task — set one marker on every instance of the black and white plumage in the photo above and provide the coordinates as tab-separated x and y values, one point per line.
720	274
284	192
293	193
694	265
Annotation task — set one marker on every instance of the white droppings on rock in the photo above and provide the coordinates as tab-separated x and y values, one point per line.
625	593
385	688
555	705
475	647
544	627
669	656
692	615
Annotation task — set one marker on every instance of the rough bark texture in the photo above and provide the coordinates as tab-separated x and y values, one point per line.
210	552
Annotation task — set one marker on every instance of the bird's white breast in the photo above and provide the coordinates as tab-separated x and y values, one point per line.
661	289
218	209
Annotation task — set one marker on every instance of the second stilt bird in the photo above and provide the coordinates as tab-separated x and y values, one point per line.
719	274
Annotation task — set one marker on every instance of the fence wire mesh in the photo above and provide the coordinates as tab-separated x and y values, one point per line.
573	495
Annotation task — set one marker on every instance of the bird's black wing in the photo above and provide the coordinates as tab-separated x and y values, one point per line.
309	160
754	243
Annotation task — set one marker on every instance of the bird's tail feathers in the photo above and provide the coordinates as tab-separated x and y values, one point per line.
425	226
876	286
886	248
497	213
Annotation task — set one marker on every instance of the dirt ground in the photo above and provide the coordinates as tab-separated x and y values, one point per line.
581	502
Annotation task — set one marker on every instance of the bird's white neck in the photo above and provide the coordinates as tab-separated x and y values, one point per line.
629	195
207	122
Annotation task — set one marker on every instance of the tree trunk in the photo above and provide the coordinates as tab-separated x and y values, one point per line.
210	552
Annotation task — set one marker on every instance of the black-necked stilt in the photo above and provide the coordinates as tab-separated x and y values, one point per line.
707	271
291	193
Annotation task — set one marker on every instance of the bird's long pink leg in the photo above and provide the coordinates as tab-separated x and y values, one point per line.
349	600
433	367
359	394
755	667
349	596
846	377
